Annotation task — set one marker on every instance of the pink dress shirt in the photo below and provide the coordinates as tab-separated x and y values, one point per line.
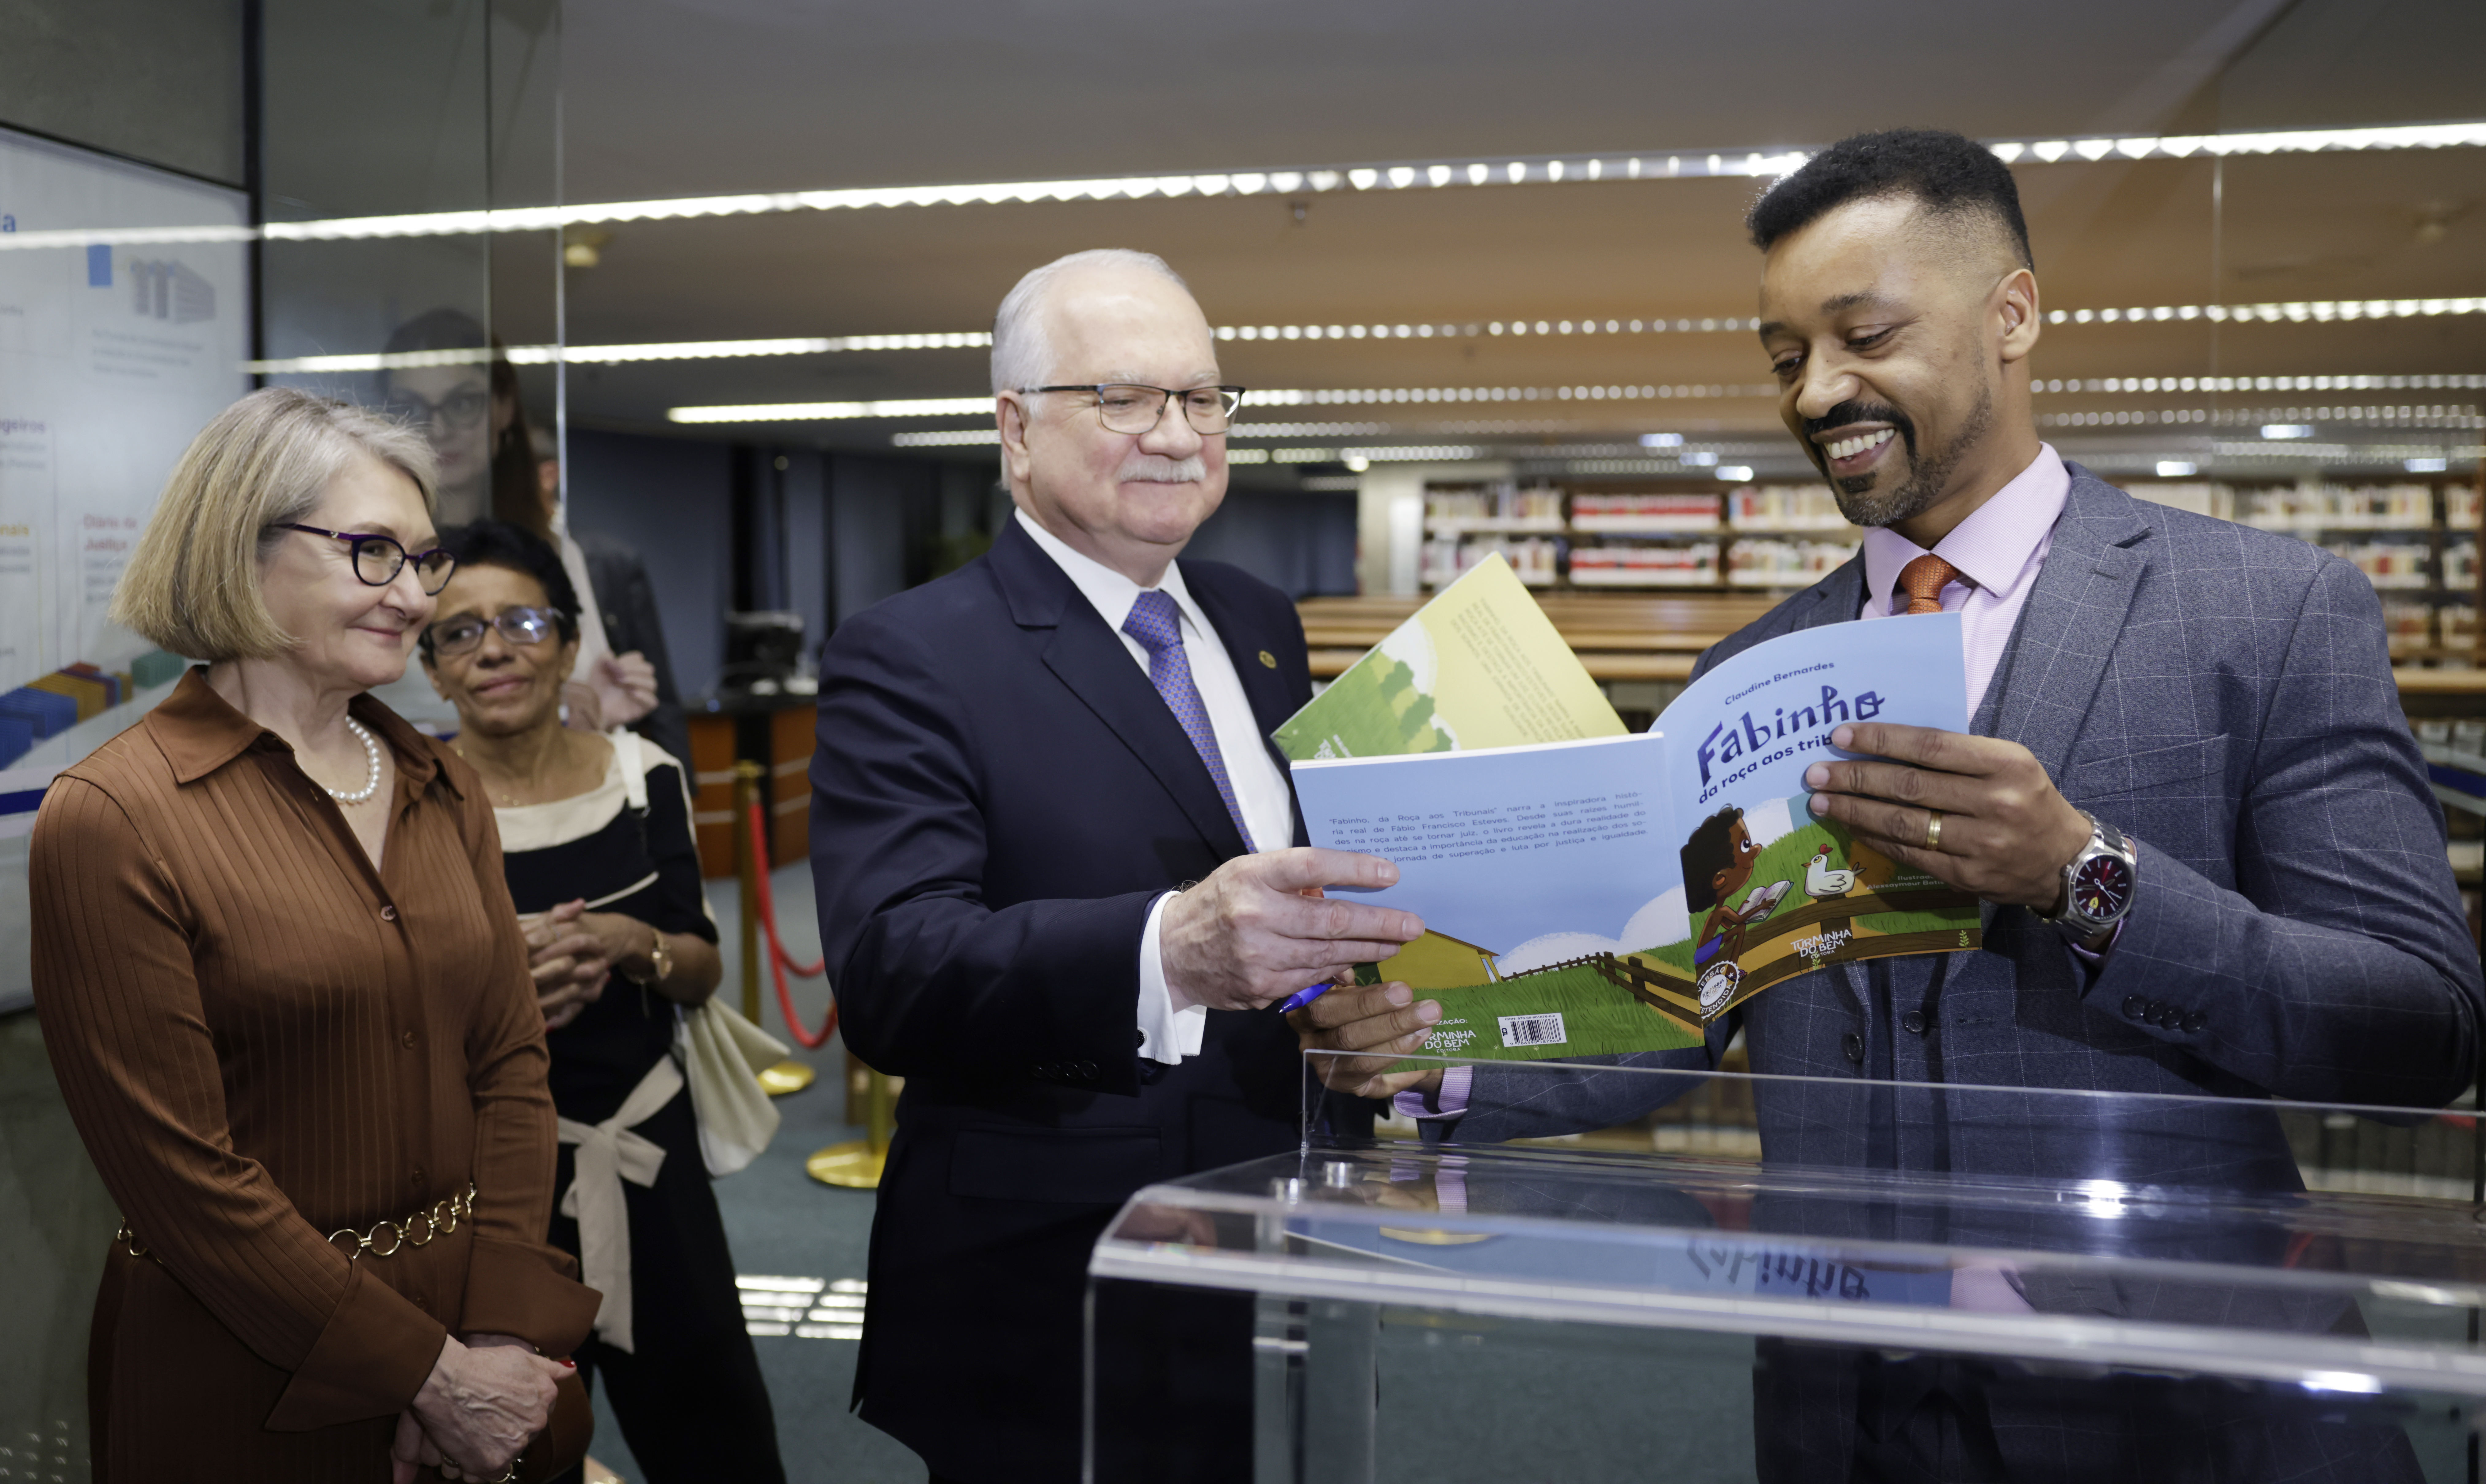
1997	551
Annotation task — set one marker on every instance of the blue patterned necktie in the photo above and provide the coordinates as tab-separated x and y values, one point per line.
1157	625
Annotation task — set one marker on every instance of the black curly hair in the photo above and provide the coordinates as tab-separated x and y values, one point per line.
499	543
1711	850
1952	174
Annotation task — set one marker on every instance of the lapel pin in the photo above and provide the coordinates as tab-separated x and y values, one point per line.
1268	659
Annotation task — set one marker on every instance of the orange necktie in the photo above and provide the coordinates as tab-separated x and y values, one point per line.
1923	580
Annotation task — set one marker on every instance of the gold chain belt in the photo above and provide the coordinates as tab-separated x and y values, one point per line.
437	1220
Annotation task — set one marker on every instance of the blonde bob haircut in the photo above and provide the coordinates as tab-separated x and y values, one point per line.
192	585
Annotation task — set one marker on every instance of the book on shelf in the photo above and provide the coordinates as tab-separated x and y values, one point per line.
1690	565
1777	508
1649	514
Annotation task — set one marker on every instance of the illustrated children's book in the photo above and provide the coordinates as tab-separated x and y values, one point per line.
1478	666
1616	892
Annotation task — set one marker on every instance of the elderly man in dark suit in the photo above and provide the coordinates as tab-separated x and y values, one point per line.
2210	858
1041	787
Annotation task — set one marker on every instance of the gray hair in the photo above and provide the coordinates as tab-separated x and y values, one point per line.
1022	354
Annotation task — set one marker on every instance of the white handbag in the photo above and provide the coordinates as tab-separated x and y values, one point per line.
723	1055
722	1052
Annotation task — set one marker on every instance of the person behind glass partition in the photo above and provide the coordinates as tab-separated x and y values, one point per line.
619	592
472	413
596	843
2188	795
287	1000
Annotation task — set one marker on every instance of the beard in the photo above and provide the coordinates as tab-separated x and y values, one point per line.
1157	469
1928	475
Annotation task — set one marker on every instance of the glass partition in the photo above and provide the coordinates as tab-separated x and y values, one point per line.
2092	1285
395	149
136	303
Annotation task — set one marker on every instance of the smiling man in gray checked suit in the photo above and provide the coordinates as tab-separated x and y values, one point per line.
2189	797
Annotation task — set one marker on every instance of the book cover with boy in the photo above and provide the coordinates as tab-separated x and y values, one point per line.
1619	894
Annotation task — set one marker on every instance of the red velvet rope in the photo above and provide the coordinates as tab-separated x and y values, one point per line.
780	962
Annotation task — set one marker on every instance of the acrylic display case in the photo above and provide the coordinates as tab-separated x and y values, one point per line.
2097	1286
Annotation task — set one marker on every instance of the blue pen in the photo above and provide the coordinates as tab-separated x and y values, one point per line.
1303	997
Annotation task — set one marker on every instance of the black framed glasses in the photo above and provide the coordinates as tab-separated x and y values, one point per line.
458	410
520	627
379	558
1128	408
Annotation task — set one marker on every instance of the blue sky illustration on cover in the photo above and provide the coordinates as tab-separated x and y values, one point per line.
1542	855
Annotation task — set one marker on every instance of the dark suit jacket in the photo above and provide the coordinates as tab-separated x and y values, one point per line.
628	601
2225	696
999	796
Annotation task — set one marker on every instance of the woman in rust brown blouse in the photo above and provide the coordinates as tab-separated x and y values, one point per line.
283	986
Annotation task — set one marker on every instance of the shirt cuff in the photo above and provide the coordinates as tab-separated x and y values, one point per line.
1448	1101
1169	1031
2092	959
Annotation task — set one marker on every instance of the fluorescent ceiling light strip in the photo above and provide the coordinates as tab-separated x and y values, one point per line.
2409	136
1413	174
2344	453
2449	417
2246	417
1246	431
974	406
1431	396
2323	311
2127	385
616	355
820	412
2296	313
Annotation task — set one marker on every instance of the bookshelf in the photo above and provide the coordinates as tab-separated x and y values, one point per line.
2415	539
1649	537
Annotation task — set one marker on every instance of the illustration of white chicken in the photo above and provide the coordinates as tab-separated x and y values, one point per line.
1821	883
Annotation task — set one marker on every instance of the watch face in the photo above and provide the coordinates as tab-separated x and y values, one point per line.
2102	887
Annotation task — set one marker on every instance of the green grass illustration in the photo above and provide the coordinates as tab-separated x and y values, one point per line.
1599	1018
1375	710
1784	859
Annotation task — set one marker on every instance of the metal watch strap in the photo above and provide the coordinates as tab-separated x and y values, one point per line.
2105	839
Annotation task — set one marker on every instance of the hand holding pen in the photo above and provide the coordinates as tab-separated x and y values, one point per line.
1262	927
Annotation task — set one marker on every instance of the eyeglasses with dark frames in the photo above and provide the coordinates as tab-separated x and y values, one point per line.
379	558
1128	408
458	410
520	627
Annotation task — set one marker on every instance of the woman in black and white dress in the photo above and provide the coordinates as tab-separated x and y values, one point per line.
596	843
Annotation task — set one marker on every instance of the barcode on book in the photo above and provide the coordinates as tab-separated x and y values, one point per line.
1531	1030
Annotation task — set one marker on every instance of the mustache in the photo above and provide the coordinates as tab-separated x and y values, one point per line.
1157	469
1854	411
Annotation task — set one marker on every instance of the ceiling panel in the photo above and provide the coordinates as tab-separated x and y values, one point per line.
695	96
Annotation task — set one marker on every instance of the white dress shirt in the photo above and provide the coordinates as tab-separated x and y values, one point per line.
1168	1033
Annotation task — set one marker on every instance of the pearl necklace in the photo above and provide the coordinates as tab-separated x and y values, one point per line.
371	750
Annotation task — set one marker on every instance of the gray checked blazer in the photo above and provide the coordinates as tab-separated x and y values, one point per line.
2224	696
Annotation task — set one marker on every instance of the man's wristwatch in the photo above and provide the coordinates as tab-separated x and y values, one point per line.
2097	883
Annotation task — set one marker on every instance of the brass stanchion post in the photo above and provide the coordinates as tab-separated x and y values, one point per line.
789	1075
857	1163
746	867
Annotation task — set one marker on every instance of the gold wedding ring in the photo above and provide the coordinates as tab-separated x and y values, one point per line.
1933	829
